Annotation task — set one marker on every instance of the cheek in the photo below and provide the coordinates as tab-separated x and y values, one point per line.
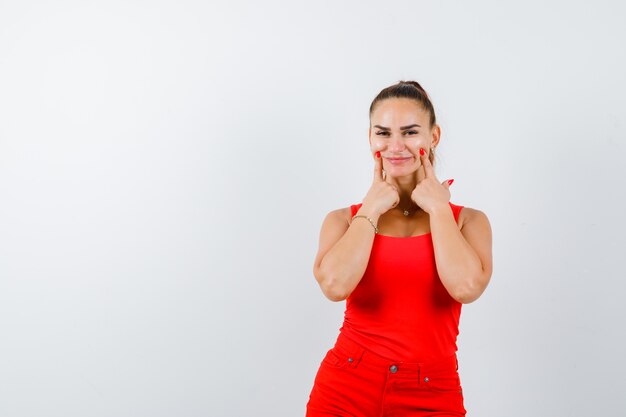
415	143
377	145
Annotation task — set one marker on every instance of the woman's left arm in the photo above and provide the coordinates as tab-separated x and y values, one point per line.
463	256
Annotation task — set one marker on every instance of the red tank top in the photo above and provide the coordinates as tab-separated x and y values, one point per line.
400	309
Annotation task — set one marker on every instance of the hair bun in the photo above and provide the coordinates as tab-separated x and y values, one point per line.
416	85
406	89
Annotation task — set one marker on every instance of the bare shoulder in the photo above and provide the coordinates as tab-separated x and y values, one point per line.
471	215
339	216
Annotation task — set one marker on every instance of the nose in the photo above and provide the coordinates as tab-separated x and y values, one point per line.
396	144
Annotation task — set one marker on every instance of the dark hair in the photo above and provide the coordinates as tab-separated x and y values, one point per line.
406	89
411	90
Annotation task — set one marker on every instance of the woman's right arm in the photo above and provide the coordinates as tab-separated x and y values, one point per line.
344	252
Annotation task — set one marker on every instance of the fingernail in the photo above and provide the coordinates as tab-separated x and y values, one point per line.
421	151
377	154
450	181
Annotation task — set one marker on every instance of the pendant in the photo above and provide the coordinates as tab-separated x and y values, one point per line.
406	212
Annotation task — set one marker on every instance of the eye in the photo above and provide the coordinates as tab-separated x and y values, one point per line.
382	133
412	132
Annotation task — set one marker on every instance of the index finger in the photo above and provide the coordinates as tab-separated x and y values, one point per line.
378	167
428	167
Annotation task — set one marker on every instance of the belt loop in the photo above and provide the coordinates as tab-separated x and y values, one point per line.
358	354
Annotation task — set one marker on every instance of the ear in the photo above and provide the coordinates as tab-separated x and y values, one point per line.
369	136
436	134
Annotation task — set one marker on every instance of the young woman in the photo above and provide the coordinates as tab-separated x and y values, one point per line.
405	259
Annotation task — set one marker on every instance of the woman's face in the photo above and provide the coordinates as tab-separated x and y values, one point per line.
399	128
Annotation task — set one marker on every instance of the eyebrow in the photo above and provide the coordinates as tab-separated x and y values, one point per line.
401	128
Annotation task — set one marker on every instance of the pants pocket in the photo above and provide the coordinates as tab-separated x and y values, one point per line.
343	356
443	381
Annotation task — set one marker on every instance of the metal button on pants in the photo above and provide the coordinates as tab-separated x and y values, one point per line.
353	381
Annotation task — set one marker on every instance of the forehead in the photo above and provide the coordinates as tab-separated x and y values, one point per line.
399	112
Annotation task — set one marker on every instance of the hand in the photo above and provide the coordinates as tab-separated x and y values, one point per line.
429	193
382	195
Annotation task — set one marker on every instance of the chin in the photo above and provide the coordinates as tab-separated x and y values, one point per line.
401	173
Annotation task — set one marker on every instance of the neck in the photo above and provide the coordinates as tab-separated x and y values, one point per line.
405	186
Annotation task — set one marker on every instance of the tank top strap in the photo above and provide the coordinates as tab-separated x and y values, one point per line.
455	210
354	208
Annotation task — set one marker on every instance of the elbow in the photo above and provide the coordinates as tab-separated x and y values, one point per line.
473	285
330	286
333	291
465	297
469	292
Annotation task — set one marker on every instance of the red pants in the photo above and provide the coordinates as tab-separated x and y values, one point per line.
353	381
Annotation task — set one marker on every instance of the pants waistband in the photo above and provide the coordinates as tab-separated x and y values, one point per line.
355	354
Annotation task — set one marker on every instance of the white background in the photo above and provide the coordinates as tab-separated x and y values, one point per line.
165	168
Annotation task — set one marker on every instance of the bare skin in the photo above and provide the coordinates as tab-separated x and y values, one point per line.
462	250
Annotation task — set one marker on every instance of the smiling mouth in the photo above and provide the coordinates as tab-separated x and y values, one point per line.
398	161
